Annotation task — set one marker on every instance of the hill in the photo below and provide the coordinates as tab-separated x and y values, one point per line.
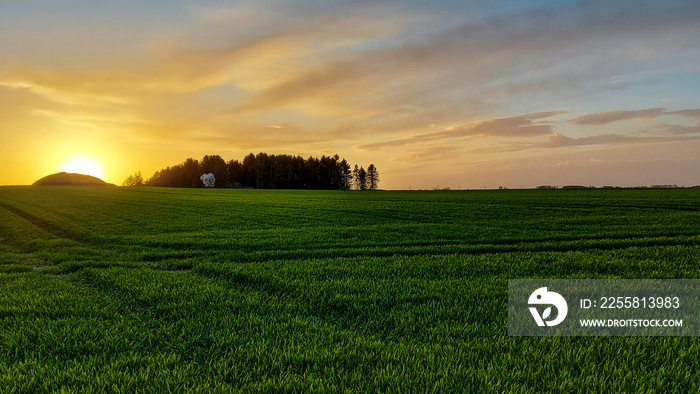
64	178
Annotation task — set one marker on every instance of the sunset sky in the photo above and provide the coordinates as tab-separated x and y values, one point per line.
460	94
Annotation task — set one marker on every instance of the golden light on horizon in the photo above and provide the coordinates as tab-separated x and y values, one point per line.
85	165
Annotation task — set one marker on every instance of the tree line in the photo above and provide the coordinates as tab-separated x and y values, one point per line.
264	171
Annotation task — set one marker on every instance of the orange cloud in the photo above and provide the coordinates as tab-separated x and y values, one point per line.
76	88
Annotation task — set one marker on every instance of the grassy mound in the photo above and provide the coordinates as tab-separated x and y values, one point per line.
64	178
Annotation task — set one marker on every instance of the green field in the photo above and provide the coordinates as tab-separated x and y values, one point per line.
108	289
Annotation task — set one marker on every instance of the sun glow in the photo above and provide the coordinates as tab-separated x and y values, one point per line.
83	165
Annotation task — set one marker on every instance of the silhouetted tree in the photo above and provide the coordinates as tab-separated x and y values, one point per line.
356	177
235	173
372	177
134	180
190	173
362	175
249	177
162	178
346	175
185	174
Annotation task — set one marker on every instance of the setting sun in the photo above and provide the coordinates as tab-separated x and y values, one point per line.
83	165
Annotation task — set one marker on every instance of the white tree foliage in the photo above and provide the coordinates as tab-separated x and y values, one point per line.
208	179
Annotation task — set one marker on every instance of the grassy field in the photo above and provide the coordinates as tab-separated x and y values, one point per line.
169	290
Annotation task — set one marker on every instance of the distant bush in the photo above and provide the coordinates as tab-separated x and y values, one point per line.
575	187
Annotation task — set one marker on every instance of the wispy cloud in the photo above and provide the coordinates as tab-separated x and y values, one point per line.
428	154
515	126
602	118
557	140
667	128
690	113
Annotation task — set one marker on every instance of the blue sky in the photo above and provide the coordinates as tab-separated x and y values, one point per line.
470	94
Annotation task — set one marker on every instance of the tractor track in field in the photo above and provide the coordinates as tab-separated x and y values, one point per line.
37	222
429	249
53	232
